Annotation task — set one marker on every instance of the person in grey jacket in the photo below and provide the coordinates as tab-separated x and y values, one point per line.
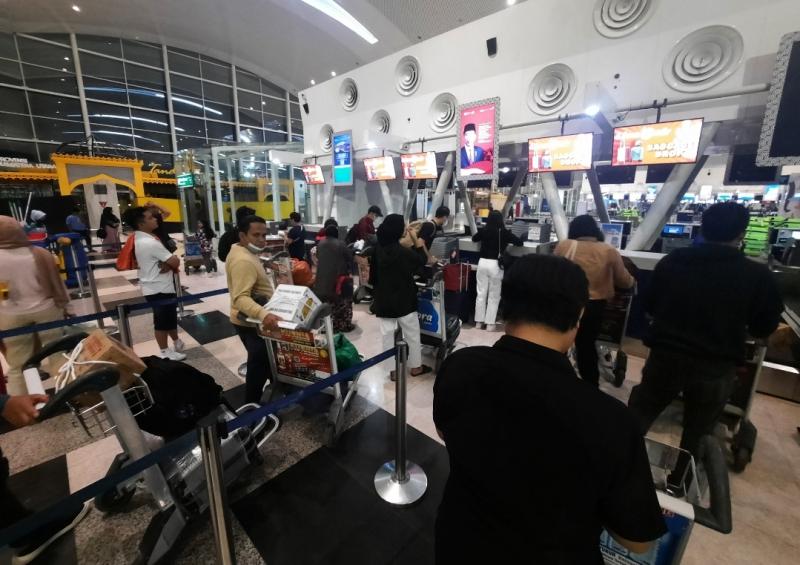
334	284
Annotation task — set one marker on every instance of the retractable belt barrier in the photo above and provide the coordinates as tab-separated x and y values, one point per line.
107	314
70	503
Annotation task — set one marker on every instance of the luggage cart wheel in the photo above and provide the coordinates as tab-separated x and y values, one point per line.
620	368
329	436
116	498
743	445
741	457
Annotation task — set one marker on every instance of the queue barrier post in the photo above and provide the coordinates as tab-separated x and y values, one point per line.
81	292
96	301
208	434
182	312
124	326
401	482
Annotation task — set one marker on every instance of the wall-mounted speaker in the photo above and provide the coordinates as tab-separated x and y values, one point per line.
491	46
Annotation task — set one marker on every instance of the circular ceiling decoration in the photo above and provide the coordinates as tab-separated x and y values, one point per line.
618	18
703	59
326	138
348	94
551	89
407	75
442	112
380	122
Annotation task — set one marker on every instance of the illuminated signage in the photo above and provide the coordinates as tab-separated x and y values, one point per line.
343	158
562	153
418	166
380	168
478	129
313	174
657	144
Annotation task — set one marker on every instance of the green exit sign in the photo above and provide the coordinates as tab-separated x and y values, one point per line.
185	180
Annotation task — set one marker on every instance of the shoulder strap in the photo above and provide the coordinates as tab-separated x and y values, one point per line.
572	250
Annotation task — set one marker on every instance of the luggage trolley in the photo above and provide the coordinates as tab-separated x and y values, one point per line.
307	354
736	416
701	494
364	291
193	256
178	483
612	360
438	329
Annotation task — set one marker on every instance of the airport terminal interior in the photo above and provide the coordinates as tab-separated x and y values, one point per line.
247	249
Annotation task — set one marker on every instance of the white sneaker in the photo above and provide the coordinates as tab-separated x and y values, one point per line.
179	345
491	327
478	325
172	355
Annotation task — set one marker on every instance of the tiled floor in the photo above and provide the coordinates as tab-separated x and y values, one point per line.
303	484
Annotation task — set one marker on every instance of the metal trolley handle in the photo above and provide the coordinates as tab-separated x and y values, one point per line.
67	343
718	515
94	381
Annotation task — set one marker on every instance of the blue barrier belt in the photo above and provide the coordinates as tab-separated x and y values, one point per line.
107	314
66	505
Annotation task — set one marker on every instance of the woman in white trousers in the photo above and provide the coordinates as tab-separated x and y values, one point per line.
494	238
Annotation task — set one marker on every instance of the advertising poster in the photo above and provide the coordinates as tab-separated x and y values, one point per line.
427	314
380	168
613	233
666	551
419	166
301	361
313	174
343	158
478	137
657	144
562	153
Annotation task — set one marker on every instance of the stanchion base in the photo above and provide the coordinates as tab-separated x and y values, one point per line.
185	314
397	493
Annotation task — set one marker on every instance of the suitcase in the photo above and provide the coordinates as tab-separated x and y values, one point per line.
456	277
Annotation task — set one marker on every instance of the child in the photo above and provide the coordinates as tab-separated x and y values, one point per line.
205	235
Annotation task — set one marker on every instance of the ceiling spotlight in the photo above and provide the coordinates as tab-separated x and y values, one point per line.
510	2
76	8
313	82
333	73
592	110
66	58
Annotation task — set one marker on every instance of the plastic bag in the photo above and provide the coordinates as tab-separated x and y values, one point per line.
126	260
346	353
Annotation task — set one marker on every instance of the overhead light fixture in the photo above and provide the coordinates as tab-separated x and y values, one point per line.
76	8
333	73
313	82
505	169
66	58
510	2
335	11
371	145
592	110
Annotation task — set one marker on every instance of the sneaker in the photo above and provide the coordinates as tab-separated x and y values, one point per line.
30	547
478	325
491	327
179	345
172	355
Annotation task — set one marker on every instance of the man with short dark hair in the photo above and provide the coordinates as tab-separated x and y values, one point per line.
366	226
231	235
430	230
704	301
296	237
75	224
250	289
540	461
470	153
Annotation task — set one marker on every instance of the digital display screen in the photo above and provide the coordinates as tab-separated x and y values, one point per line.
672	229
657	144
613	234
343	158
562	153
380	168
418	166
313	174
478	124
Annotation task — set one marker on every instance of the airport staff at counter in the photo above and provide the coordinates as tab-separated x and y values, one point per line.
540	461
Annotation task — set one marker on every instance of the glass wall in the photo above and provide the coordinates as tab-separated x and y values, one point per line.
128	87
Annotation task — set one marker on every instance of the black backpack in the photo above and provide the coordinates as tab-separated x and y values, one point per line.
182	396
352	235
226	242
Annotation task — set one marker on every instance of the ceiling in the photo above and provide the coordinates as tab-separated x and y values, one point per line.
286	41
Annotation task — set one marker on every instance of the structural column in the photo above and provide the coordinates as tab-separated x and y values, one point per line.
560	222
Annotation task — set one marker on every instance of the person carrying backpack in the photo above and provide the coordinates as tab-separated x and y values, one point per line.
231	236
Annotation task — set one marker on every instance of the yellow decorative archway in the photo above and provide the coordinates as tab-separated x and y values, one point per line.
76	170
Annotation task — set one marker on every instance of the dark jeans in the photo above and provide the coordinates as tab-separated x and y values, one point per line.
13	510
585	348
706	385
258	368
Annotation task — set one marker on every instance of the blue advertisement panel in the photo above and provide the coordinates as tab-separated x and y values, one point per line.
666	551
427	313
343	158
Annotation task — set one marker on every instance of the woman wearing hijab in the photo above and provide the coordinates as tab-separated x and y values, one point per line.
395	291
109	224
33	293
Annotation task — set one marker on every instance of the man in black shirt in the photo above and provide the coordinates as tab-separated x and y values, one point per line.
296	237
704	300
540	461
429	230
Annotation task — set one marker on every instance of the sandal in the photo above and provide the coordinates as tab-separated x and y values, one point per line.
425	370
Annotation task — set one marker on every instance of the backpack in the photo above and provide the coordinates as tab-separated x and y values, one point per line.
226	242
414	227
126	260
352	235
182	396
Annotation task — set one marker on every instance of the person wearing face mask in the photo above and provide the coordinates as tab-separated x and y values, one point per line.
251	288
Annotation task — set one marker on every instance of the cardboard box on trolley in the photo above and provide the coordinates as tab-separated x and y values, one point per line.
295	305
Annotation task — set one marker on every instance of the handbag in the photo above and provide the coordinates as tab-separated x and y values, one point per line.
101	233
504	258
126	260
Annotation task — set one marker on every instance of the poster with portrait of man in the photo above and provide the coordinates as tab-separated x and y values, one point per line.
478	140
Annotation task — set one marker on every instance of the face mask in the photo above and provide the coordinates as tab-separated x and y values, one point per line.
255	249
